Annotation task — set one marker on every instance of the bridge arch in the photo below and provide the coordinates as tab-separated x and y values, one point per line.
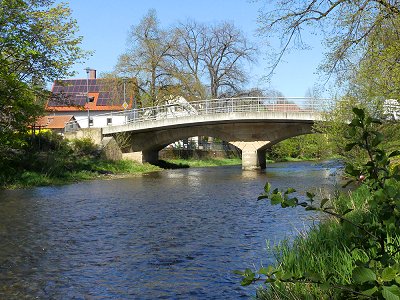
251	124
252	138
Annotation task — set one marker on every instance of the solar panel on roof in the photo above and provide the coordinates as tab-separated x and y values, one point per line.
74	92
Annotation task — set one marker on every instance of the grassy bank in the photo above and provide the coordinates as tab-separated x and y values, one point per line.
323	250
90	169
47	159
354	252
211	162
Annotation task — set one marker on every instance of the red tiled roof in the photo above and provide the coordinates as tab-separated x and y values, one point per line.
53	122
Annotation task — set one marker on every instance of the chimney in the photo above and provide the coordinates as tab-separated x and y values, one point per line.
92	74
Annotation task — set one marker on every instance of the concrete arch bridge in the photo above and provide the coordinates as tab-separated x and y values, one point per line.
252	124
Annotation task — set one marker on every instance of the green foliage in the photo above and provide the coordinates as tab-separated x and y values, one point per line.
38	39
371	238
310	146
48	159
378	75
37	44
84	147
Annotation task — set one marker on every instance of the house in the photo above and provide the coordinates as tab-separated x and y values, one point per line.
57	123
89	99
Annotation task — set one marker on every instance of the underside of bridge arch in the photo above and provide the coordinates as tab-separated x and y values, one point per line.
252	138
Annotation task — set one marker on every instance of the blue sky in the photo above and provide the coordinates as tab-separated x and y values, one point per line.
104	25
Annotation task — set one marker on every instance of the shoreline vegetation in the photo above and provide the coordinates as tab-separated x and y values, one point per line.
93	168
47	159
102	169
354	252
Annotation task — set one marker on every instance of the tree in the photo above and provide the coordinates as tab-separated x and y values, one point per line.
148	58
212	53
37	44
120	88
226	49
37	39
188	54
345	24
378	75
177	61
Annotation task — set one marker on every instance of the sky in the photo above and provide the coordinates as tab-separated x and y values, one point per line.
104	26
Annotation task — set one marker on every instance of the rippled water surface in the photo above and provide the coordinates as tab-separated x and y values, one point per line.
175	234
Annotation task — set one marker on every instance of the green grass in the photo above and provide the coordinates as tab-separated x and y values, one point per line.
324	250
85	169
211	162
57	170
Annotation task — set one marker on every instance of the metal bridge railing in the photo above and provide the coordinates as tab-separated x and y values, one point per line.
215	106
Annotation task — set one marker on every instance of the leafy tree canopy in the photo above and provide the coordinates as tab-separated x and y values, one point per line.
354	31
37	44
38	40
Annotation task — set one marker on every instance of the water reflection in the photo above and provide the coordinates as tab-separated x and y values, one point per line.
171	235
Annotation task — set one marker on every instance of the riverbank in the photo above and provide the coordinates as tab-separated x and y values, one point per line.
89	168
102	169
331	259
209	162
92	169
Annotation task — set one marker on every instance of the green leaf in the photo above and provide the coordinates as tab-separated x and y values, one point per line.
388	274
362	274
370	292
310	195
276	199
394	153
323	202
267	271
391	292
349	169
350	146
378	139
290	191
263	271
267	188
291	202
347	211
359	112
352	131
262	197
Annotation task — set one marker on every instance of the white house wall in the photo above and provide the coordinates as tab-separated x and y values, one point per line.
99	120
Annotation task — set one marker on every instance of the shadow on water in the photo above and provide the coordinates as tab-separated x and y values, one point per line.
170	166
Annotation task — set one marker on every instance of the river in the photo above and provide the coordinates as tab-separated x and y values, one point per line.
175	234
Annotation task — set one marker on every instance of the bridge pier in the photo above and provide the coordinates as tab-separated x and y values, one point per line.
253	154
149	156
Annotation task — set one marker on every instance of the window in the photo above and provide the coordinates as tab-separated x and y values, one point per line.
109	121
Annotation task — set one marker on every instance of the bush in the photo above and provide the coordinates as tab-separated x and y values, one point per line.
84	147
359	255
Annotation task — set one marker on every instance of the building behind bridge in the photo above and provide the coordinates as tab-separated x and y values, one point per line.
92	97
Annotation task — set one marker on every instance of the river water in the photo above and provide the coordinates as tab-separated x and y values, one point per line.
175	234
